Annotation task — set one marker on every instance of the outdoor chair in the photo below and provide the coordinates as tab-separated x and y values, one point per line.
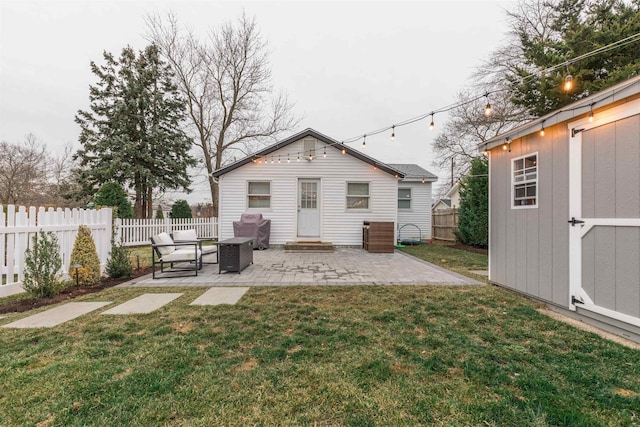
169	252
190	236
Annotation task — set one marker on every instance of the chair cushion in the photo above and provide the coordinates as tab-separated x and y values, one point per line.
185	235
209	249
164	239
182	255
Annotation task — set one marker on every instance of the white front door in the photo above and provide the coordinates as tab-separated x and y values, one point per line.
308	208
604	177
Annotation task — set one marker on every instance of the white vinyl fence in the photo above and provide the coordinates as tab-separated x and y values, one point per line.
136	232
17	226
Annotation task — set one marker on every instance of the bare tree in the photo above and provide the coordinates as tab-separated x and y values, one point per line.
22	170
226	80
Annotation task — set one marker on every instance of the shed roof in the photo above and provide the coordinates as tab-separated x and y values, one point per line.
619	92
313	133
413	172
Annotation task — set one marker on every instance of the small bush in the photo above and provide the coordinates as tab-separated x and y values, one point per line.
180	209
42	264
84	253
119	263
159	213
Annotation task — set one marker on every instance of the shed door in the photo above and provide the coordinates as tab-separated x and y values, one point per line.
308	208
605	217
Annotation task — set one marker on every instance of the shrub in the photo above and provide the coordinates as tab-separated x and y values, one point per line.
119	263
180	209
84	253
42	263
159	213
112	194
473	215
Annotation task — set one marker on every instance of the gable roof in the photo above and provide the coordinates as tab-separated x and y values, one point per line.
413	172
317	135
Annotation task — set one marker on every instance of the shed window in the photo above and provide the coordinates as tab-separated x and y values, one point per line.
525	181
357	195
259	194
404	198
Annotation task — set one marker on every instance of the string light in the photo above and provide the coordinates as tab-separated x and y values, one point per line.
542	129
310	156
487	109
288	159
325	153
568	81
423	179
278	158
431	126
364	142
298	157
344	150
591	113
393	133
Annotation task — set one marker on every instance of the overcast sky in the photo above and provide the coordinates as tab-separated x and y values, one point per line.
349	67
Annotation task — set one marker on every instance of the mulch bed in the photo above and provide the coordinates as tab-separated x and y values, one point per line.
67	293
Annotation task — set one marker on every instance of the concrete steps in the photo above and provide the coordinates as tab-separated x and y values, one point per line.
309	247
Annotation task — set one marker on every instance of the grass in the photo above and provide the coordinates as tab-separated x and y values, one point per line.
444	255
329	356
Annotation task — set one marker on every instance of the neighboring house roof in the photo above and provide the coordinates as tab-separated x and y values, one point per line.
310	132
446	202
453	190
618	92
413	172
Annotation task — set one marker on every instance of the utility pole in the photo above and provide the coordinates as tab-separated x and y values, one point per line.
452	163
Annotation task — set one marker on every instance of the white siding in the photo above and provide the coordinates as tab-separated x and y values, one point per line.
420	212
337	225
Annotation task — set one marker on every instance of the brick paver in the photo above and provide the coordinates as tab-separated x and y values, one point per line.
345	266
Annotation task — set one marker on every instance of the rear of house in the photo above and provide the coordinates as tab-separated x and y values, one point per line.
565	209
414	202
312	188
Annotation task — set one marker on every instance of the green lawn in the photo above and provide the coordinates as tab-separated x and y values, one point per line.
444	255
328	356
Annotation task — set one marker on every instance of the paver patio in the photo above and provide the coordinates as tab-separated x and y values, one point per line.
345	266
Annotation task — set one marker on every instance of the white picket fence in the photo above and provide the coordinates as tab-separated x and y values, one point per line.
17	226
136	232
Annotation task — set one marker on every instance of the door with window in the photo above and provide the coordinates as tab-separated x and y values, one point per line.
604	223
308	208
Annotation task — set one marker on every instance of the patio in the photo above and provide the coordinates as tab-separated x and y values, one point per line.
345	266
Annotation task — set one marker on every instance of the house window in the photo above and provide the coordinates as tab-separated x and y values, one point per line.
357	195
259	194
404	198
525	181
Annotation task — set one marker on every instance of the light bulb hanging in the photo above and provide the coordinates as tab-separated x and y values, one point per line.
487	109
278	158
591	113
431	126
343	151
298	157
364	142
542	129
324	154
568	81
288	158
393	133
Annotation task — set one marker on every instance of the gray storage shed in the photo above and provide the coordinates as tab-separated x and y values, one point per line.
564	209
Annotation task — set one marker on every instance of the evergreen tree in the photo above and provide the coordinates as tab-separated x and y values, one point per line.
159	213
180	209
132	133
112	194
571	28
473	214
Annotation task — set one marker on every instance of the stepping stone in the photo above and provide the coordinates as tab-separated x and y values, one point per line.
143	304
217	296
480	272
56	316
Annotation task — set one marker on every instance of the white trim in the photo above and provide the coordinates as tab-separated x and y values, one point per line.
489	222
298	236
410	208
576	233
368	208
513	183
262	209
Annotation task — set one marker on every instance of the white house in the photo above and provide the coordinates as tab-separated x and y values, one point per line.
314	188
450	200
414	202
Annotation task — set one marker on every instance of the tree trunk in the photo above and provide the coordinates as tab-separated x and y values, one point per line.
150	202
